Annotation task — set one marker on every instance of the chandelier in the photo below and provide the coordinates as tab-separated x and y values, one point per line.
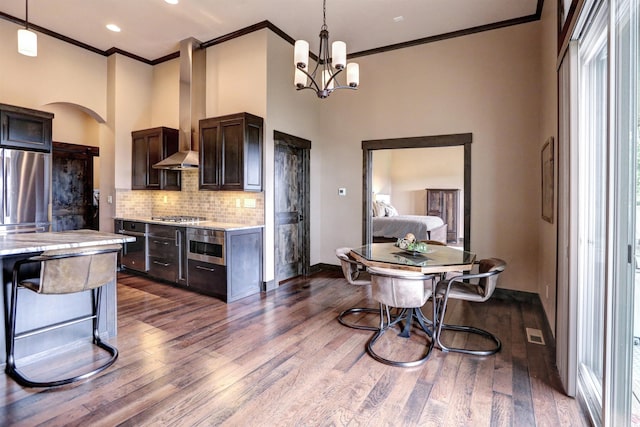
323	79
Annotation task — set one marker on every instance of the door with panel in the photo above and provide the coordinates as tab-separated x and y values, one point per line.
291	206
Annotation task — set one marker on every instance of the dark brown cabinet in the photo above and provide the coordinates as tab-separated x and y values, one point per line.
24	128
149	146
167	257
241	274
231	153
445	204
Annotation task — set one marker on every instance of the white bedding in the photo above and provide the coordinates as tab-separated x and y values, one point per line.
400	225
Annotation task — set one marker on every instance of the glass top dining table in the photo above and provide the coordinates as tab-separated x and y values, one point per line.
437	258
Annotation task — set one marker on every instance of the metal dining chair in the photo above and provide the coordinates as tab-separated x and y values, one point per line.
351	270
474	287
62	271
405	290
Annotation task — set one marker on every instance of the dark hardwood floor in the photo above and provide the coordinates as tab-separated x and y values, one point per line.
282	359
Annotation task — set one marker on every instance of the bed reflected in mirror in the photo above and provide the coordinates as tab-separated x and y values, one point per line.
419	186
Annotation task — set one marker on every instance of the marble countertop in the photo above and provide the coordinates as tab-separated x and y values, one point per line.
16	244
210	225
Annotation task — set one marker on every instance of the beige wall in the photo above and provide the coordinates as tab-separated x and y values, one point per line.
69	82
297	114
165	94
487	84
60	73
237	76
548	128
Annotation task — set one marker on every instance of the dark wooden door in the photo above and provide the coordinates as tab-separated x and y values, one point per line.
72	201
291	206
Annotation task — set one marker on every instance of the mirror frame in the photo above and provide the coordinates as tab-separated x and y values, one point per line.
451	140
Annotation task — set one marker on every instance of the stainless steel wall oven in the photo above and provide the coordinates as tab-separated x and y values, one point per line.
206	245
206	271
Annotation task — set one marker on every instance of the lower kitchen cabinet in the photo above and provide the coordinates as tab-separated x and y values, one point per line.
225	264
209	279
244	263
166	252
241	274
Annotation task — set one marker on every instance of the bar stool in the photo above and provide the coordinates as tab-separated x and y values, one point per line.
63	271
405	290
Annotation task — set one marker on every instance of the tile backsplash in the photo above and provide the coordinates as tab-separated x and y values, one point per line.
223	206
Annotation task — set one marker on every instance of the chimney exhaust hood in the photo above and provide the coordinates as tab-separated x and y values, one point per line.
191	108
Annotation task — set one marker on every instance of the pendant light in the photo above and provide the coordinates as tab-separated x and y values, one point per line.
27	40
322	79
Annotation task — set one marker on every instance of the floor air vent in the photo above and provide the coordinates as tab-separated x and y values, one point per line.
535	336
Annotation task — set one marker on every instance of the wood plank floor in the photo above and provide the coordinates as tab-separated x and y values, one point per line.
282	359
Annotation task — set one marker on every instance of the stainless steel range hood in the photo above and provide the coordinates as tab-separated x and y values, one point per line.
192	106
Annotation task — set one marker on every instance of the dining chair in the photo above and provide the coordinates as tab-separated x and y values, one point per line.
407	291
63	271
474	287
351	270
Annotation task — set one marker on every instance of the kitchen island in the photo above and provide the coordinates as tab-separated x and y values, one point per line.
39	310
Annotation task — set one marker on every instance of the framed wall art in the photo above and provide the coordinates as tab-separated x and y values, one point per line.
547	163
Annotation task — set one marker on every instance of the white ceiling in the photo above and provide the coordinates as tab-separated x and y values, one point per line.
152	28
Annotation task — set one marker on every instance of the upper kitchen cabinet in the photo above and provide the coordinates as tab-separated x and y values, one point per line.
149	146
231	153
24	128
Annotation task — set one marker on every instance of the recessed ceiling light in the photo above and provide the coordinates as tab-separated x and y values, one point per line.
398	19
172	1
113	27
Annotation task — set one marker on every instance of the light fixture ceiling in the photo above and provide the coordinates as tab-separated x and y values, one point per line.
27	40
323	79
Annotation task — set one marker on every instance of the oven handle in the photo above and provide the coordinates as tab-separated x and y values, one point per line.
131	233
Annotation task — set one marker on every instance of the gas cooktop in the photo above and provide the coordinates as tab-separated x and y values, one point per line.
178	218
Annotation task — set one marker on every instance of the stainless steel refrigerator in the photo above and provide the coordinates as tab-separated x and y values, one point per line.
25	190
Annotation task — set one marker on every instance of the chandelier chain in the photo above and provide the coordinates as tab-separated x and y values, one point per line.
324	14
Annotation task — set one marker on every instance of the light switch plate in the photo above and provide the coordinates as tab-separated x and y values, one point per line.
249	203
342	191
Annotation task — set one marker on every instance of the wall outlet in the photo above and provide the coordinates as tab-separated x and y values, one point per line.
164	199
249	203
342	191
237	203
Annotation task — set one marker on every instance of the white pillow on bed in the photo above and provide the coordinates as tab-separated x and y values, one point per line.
390	210
378	209
381	208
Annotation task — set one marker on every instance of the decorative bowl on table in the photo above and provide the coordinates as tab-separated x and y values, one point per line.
413	247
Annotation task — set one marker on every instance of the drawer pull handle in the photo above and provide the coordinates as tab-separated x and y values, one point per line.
161	263
160	243
205	268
